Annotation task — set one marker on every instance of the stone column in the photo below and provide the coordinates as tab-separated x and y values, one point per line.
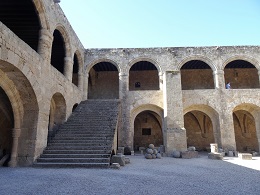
259	76
161	81
124	134
227	137
80	81
45	44
219	79
85	86
16	134
174	132
68	68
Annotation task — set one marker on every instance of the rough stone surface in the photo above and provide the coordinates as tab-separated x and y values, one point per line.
215	156
176	154
189	154
245	156
120	159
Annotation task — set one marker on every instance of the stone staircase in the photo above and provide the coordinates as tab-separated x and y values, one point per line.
86	139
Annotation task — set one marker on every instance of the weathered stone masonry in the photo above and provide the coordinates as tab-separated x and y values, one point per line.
174	96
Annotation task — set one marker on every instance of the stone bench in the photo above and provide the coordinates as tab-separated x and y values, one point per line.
245	156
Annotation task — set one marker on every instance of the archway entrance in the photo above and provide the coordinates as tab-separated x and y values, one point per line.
245	131
199	130
103	81
147	130
6	125
57	114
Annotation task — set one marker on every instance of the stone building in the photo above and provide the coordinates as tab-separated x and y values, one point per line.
174	97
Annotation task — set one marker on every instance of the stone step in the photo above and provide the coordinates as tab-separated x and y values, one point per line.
52	151
75	155
68	147
79	138
94	141
83	135
74	160
108	144
72	165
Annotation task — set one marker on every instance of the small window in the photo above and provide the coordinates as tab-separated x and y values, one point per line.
137	85
146	131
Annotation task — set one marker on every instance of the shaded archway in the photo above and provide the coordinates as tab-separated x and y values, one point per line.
58	51
196	74
143	75
103	81
199	130
147	130
245	131
57	114
74	107
241	75
6	125
22	18
75	73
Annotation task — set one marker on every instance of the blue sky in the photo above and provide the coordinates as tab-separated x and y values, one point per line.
164	23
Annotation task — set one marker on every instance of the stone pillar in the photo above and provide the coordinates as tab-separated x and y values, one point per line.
161	81
45	44
259	76
80	81
228	141
85	86
68	68
219	79
16	134
124	133
174	132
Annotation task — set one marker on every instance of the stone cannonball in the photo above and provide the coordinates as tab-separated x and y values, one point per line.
151	146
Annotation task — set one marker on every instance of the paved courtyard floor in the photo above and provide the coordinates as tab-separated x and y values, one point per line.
157	176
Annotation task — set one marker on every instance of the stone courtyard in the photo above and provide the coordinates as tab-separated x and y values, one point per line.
159	176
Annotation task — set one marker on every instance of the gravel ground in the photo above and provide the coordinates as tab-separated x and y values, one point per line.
141	176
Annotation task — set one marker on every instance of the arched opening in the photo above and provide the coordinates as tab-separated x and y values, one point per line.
103	81
57	114
241	75
6	126
147	130
58	51
21	17
74	107
199	130
196	74
75	73
245	131
143	75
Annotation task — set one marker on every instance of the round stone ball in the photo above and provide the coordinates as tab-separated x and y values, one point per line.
155	151
151	146
158	155
153	156
176	154
149	151
148	156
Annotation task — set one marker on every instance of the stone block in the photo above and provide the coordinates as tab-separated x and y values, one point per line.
230	153
245	156
120	159
215	156
127	160
115	166
189	154
176	154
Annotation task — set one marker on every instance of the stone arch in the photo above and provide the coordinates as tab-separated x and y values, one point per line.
148	109
139	59
16	14
98	77
25	110
41	13
198	57
66	38
241	72
246	127
144	75
196	74
96	61
57	114
211	115
249	59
